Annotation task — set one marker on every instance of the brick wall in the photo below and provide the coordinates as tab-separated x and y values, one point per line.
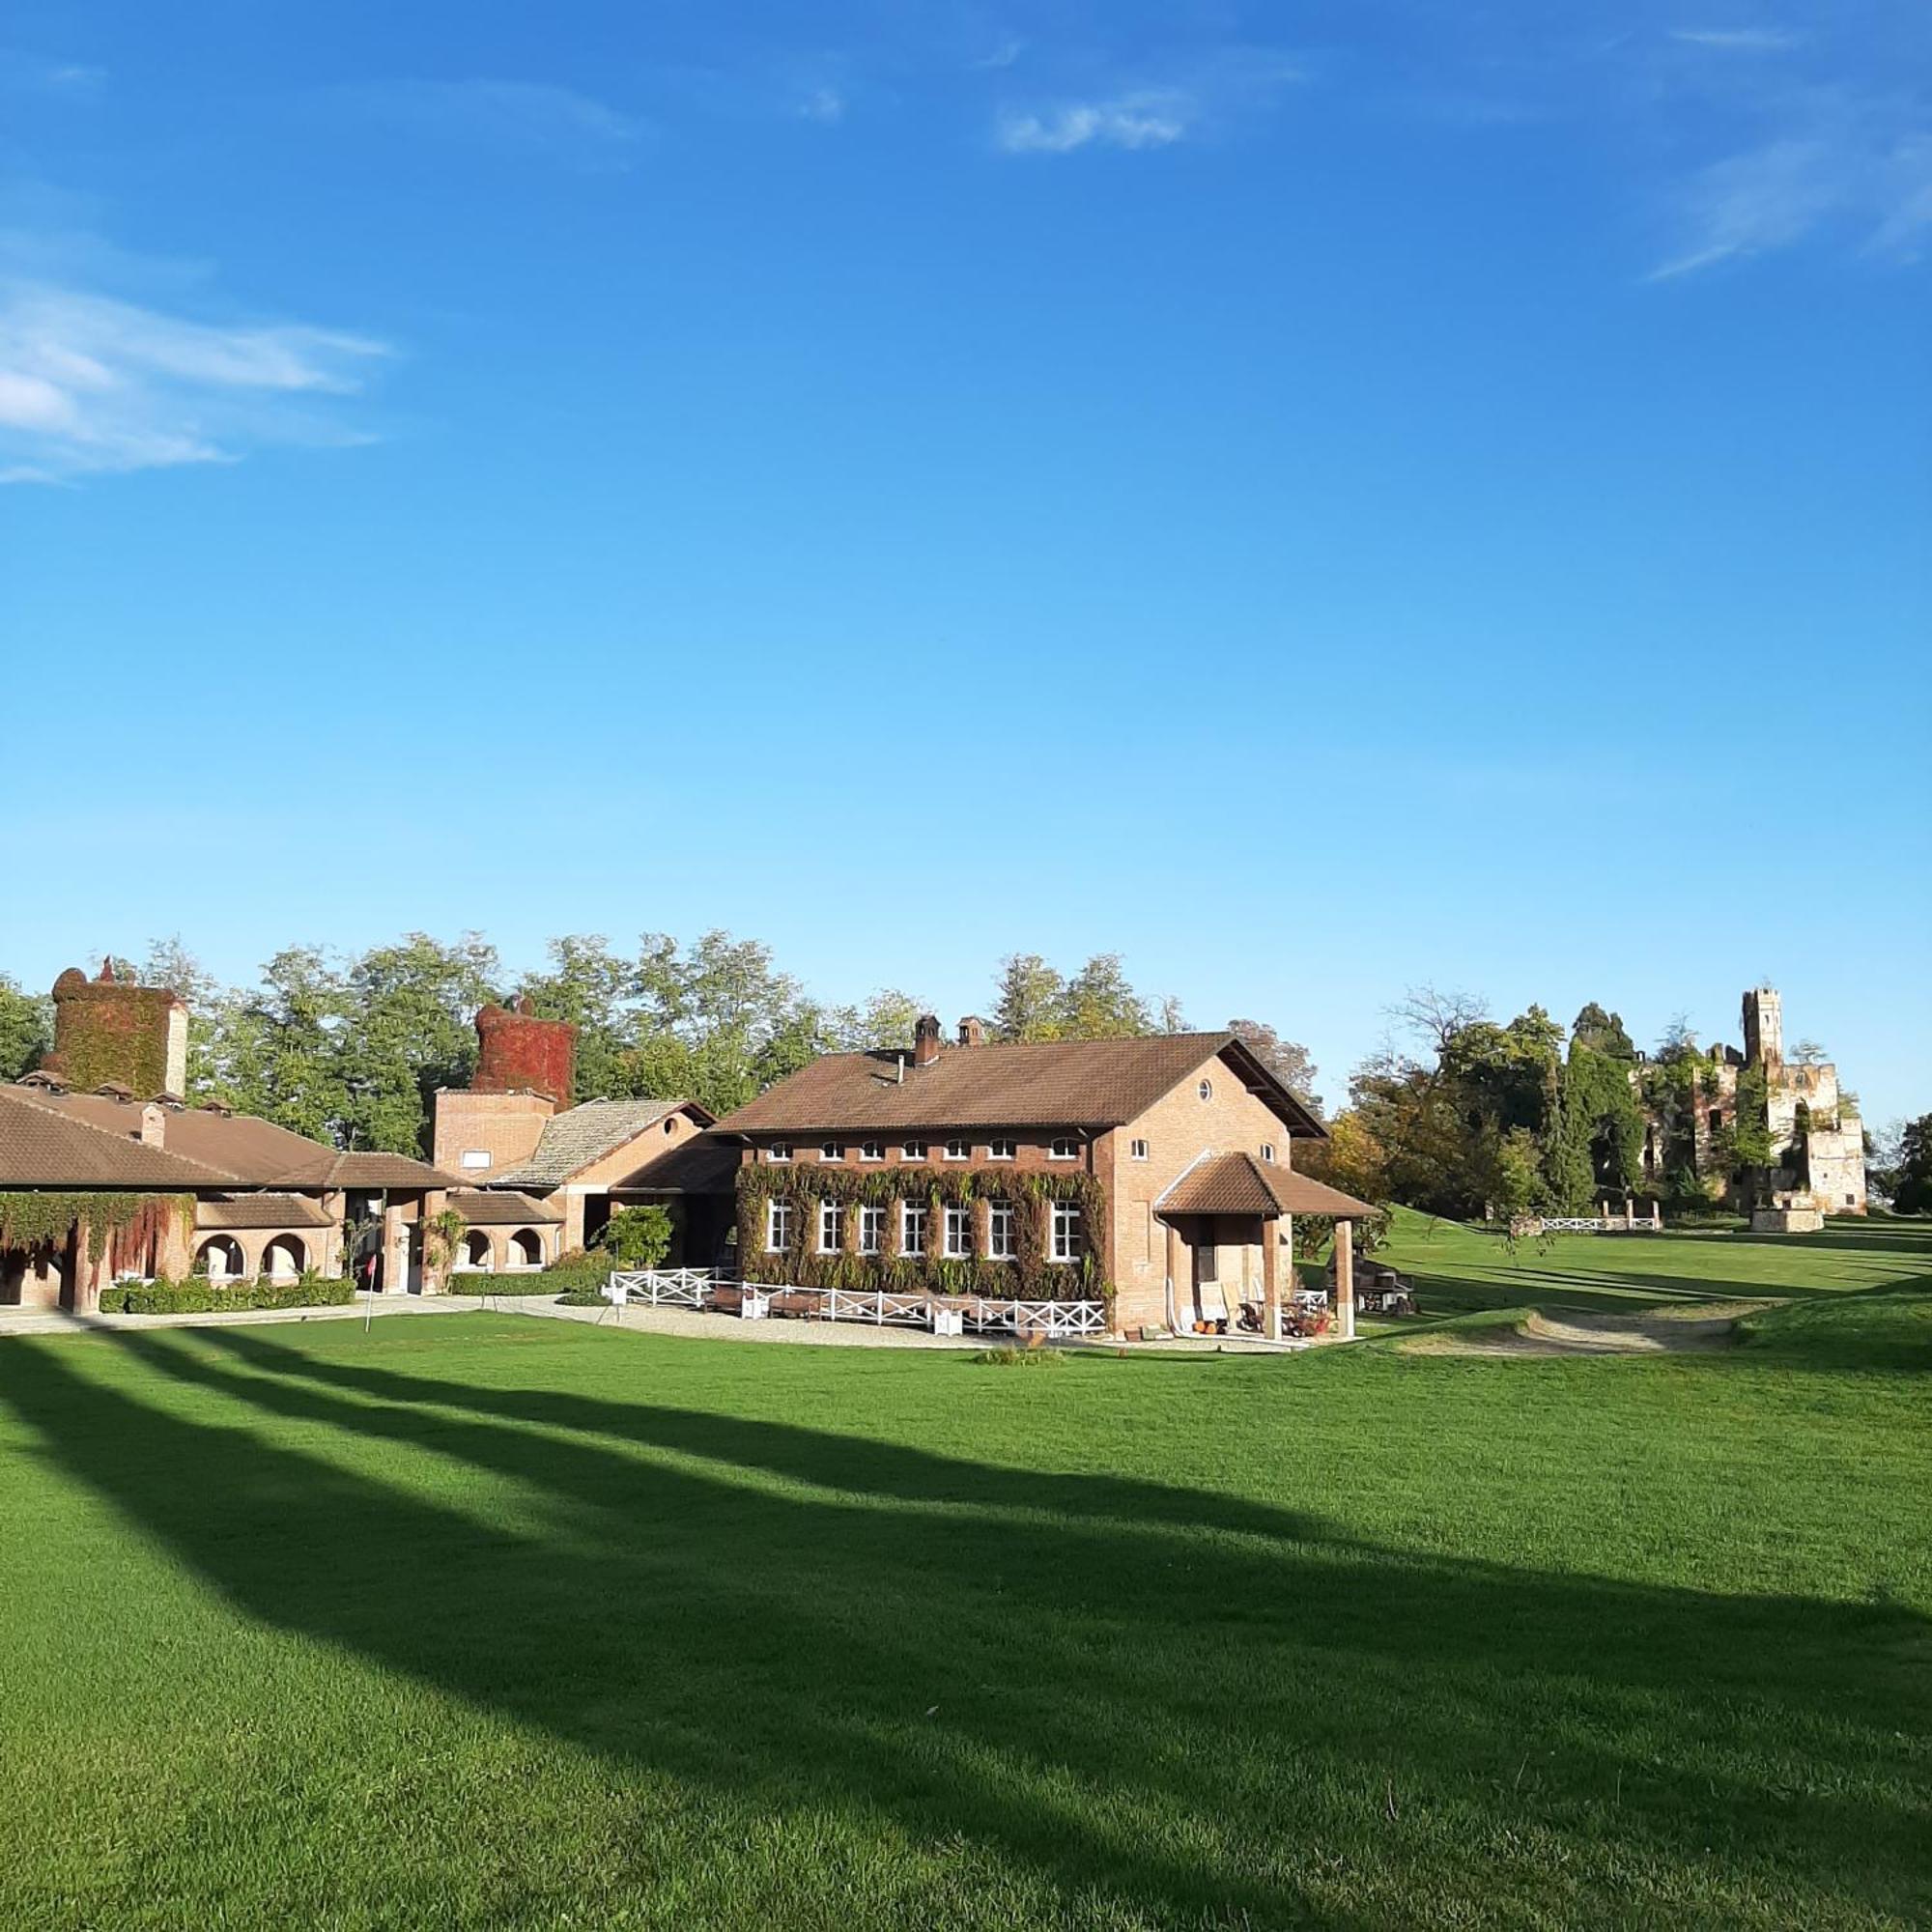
505	1126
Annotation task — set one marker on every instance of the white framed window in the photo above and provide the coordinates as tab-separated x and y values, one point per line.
872	1149
1001	1237
476	1156
958	1149
872	1229
1139	1149
831	1227
830	1151
1001	1149
1065	1148
1267	1150
958	1235
779	1150
912	1228
1206	1090
778	1227
912	1150
1069	1237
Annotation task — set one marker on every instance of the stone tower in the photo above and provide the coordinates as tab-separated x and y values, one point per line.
519	1053
1764	1028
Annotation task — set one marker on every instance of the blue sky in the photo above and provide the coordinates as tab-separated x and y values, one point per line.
1313	498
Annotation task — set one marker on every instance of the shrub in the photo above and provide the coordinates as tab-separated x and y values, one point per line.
1011	1357
201	1297
636	1237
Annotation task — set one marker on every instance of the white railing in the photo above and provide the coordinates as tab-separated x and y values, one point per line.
701	1287
659	1288
1588	1224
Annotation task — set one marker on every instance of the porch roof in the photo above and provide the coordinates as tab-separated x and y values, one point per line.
1237	1184
502	1208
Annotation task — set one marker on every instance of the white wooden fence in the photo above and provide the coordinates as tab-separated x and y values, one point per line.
700	1287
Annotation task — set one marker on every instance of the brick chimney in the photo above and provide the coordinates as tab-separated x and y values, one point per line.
972	1031
518	1053
109	1033
926	1040
153	1125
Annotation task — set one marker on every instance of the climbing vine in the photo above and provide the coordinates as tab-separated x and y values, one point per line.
1029	1274
131	1222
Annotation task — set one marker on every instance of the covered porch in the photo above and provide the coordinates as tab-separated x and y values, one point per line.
1230	1222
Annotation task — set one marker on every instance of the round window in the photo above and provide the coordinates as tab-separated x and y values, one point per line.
1207	1089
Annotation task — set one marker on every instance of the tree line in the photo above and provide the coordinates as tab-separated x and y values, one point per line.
350	1050
1462	1116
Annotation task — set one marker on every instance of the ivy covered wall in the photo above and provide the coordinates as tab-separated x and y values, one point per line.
1030	1275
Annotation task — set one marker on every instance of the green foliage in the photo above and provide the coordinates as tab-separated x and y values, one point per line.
1909	1180
1030	1275
1602	1033
33	1218
26	1028
1011	1357
636	1237
198	1296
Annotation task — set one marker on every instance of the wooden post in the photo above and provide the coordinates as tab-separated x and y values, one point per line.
1270	1277
1345	1279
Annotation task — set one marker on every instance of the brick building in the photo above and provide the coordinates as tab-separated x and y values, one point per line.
1156	1174
544	1177
126	1178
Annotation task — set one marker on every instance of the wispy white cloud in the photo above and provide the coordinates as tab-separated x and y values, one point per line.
1002	55
1205	93
44	74
90	384
1151	117
823	104
530	117
1738	40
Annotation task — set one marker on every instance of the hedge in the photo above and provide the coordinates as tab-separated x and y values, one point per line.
201	1297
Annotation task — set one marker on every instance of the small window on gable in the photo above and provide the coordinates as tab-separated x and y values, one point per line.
872	1149
1206	1090
1001	1149
670	1124
1139	1149
476	1156
1267	1150
779	1150
1065	1148
830	1151
958	1151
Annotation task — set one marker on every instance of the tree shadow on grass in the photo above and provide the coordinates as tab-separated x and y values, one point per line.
1152	1696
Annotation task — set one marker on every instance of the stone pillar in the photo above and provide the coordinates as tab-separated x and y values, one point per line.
396	1250
1173	1292
1271	1276
1345	1279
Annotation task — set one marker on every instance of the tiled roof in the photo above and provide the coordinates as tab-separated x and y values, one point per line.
582	1135
43	1147
244	1147
500	1208
1237	1184
1072	1083
703	1164
261	1210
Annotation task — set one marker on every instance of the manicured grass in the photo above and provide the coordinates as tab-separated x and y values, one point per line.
1457	1267
494	1620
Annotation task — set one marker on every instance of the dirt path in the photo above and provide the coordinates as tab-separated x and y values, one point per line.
1669	1331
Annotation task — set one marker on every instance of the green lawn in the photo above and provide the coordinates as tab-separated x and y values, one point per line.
490	1621
1456	1268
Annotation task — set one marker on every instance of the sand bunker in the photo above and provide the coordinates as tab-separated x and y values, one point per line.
1655	1332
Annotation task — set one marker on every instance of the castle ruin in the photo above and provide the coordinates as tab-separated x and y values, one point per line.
1816	1136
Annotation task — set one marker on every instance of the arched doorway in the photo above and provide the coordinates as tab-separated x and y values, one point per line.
526	1248
476	1251
283	1258
219	1258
